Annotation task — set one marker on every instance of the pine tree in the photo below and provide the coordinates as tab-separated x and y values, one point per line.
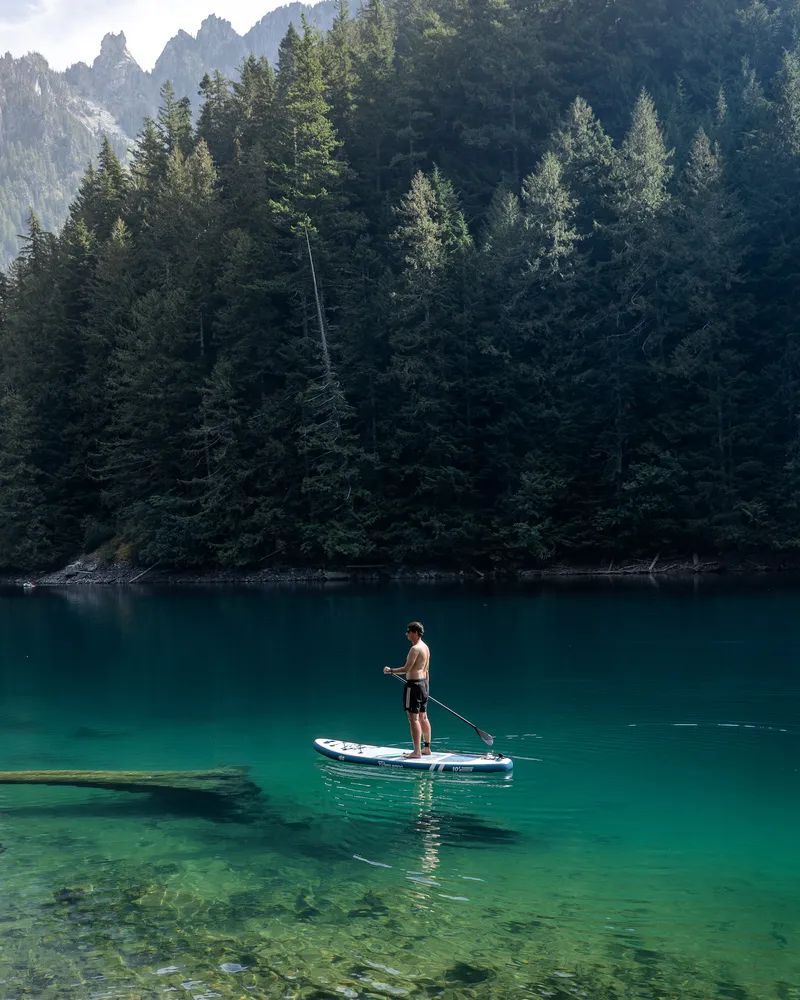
337	503
153	382
25	539
497	119
426	425
184	232
254	115
710	441
253	104
148	170
412	115
60	458
370	144
174	121
216	124
248	400
530	287
107	327
225	524
626	321
26	387
588	159
339	72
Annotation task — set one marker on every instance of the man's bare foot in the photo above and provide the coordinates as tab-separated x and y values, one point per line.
412	756
426	752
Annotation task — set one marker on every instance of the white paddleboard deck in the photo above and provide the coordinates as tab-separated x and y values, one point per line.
363	753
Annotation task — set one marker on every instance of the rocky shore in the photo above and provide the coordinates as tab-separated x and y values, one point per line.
89	570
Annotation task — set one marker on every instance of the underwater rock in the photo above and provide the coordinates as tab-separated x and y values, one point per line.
526	927
468	975
645	956
306	912
370	905
775	933
250	904
69	897
731	991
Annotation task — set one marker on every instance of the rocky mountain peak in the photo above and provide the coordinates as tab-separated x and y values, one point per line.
186	58
218	27
114	43
115	82
113	51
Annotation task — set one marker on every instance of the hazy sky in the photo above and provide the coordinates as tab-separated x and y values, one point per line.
65	31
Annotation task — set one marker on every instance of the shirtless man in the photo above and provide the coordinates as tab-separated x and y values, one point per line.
415	695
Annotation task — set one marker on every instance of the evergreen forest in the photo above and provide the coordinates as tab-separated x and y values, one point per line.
480	283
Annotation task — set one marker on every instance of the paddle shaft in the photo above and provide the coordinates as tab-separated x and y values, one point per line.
487	739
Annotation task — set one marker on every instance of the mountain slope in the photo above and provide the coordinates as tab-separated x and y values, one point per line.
48	132
117	82
52	124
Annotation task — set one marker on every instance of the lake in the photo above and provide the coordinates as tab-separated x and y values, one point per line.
645	844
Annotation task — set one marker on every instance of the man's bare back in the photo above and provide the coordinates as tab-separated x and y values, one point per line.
418	662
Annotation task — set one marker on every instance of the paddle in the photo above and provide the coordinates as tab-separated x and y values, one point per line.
487	739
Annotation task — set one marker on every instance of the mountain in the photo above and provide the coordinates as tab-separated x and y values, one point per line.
117	82
52	124
218	46
48	133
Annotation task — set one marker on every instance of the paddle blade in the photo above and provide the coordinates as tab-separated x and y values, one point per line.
487	739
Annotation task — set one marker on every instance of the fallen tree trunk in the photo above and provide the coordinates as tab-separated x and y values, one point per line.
227	788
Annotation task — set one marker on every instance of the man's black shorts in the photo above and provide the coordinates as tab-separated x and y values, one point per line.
415	696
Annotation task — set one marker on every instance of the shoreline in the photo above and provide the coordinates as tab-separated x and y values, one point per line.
89	571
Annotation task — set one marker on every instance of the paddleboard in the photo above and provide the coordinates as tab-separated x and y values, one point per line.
363	753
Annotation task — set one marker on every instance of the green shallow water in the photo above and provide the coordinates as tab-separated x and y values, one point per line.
648	849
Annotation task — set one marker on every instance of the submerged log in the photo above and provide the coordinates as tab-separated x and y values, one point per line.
227	790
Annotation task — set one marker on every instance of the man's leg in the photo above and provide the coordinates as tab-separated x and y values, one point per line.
416	735
425	727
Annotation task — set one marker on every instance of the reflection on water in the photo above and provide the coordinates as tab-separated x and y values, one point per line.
428	825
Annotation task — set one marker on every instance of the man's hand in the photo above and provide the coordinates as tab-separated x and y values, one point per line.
387	670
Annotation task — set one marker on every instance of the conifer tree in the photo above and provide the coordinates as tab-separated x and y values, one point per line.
26	384
627	320
536	279
148	170
174	121
25	538
254	123
426	428
371	142
339	72
106	328
216	124
587	158
225	523
253	105
708	359
153	381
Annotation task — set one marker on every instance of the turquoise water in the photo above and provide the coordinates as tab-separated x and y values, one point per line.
645	845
